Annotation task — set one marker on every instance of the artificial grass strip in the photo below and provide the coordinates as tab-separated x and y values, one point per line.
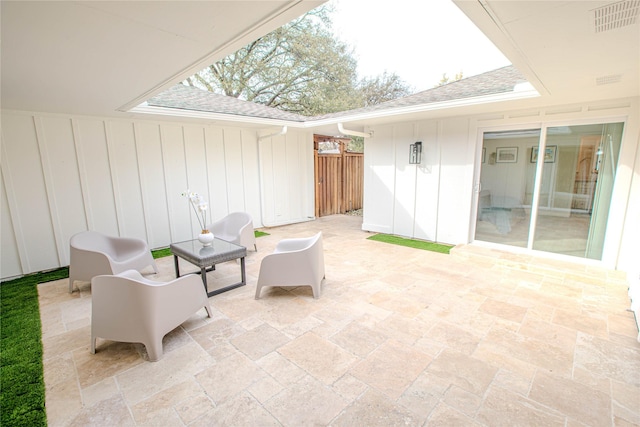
22	396
259	233
417	244
161	253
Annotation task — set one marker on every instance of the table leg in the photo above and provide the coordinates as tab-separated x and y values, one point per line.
228	288
175	263
242	272
203	273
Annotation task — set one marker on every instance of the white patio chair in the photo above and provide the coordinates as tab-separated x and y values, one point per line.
295	262
93	254
237	227
127	307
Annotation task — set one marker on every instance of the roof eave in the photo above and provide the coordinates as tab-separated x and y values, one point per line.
147	109
520	92
524	93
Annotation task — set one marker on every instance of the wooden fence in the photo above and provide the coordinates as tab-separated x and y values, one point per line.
339	177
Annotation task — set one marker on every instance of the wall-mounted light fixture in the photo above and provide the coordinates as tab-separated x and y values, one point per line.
415	153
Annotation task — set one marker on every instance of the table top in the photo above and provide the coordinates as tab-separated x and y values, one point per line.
219	251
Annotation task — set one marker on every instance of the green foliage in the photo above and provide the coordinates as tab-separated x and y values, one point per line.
356	145
383	88
300	67
417	244
445	79
259	233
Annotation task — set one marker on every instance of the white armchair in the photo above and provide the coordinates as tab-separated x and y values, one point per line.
295	262
93	254
130	308
237	227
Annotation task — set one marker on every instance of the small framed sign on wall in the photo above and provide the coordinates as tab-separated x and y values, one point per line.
506	155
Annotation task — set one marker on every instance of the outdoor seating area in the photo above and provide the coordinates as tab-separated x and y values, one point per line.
398	336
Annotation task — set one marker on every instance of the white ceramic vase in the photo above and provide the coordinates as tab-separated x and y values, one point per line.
206	238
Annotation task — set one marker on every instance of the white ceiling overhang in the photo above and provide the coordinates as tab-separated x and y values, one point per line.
558	47
103	57
563	48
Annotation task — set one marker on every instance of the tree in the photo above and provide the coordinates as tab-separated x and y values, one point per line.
445	79
383	88
300	67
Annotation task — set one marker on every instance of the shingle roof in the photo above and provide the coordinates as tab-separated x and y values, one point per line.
190	98
502	80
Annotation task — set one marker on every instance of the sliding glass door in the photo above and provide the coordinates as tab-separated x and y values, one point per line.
507	182
557	201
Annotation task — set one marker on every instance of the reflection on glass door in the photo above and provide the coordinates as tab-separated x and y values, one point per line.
506	187
557	201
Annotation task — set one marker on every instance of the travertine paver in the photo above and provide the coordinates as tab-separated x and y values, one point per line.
399	336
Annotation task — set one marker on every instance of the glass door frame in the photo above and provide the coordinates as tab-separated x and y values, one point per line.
610	241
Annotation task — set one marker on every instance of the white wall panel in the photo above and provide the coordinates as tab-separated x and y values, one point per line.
280	182
196	170
152	181
58	154
306	178
217	176
293	155
234	169
95	176
623	226
455	182
251	172
126	179
27	194
379	181
286	163
428	182
181	220
9	257
268	202
405	182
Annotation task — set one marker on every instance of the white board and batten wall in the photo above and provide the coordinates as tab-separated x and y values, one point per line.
436	199
66	174
430	200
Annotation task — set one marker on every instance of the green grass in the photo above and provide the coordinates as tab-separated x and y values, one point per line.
161	253
417	244
21	374
22	390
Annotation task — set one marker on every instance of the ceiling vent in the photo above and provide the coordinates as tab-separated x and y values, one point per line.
607	80
616	15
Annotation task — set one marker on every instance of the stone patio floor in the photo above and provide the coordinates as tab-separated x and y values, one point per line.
399	336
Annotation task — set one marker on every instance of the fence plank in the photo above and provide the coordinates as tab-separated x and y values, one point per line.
339	182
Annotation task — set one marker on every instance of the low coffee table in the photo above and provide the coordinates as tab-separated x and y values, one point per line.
208	256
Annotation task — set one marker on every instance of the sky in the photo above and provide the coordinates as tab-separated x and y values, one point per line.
419	40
